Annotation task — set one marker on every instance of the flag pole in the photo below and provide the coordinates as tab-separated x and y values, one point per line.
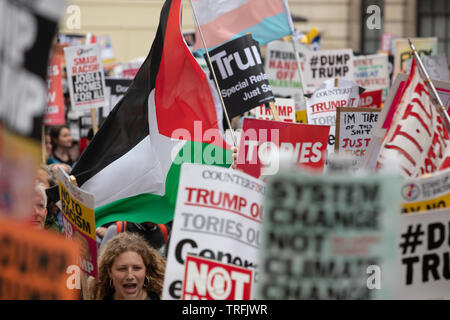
428	81
214	75
296	53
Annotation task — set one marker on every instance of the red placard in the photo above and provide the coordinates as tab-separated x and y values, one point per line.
54	112
206	279
306	142
371	99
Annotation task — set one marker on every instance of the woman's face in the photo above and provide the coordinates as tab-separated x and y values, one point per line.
64	138
48	144
128	275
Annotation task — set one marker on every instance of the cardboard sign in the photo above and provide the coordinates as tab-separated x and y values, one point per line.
218	215
240	73
426	193
282	72
402	51
354	128
322	235
285	109
27	33
423	246
85	77
77	207
55	112
206	279
35	263
325	64
306	143
321	108
370	99
372	72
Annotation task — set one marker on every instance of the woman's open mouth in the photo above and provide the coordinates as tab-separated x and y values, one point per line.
130	287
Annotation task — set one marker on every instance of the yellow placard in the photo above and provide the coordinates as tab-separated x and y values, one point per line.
436	203
81	216
300	116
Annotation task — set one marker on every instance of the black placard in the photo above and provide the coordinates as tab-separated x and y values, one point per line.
240	73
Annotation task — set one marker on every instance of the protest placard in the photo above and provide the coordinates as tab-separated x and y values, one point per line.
115	89
402	51
321	108
371	99
306	143
85	76
426	193
325	64
424	254
372	72
218	215
240	73
354	128
27	31
55	112
282	72
35	263
77	207
327	236
206	279
436	66
285	109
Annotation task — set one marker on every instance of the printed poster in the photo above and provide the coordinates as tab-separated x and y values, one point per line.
402	51
423	249
240	73
77	207
306	144
426	193
218	216
85	77
329	236
328	64
372	72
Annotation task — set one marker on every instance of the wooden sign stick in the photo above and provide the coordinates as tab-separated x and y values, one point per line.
274	111
94	121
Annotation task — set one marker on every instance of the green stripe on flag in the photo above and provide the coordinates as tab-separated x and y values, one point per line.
160	209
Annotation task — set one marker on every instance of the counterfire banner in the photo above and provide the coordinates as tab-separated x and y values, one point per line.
240	73
218	215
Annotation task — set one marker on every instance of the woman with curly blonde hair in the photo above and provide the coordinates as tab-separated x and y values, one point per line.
129	269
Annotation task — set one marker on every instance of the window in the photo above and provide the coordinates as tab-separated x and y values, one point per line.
370	38
433	19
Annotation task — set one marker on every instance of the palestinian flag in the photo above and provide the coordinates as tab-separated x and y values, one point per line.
166	117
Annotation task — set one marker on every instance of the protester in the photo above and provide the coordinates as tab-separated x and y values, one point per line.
61	141
39	214
43	176
129	269
155	234
53	169
54	216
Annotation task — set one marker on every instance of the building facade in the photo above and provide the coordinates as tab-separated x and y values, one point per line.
132	24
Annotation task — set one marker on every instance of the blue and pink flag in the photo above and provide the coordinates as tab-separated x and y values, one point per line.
224	20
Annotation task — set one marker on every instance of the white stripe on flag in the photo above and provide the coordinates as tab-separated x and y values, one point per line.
208	10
